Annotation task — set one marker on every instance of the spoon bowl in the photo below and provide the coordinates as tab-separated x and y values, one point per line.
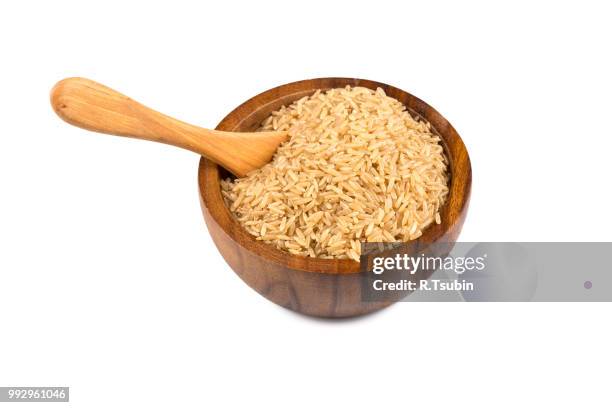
315	286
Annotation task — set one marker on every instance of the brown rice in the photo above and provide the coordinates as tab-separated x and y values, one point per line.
357	167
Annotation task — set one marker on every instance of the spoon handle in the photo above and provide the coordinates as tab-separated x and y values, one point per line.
93	106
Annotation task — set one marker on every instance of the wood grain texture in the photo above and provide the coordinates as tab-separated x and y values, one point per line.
312	286
93	106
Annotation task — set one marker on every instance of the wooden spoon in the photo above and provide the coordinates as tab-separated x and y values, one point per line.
90	105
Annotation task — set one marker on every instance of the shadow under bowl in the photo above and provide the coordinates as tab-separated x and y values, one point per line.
314	286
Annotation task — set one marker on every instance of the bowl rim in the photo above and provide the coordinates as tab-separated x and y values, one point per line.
452	212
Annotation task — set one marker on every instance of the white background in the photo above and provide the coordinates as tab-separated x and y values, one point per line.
110	283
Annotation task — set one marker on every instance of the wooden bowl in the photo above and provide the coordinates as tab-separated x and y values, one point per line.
312	286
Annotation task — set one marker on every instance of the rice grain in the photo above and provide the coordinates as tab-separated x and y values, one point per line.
357	167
